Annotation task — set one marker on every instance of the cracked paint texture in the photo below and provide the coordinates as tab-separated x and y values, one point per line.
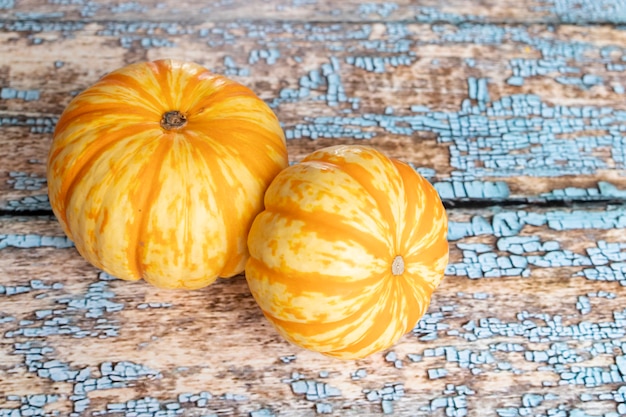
491	138
533	296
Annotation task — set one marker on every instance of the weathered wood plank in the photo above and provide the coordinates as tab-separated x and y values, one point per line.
529	320
489	112
509	11
491	100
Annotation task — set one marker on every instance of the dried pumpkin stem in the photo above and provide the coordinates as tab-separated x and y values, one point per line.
173	120
397	266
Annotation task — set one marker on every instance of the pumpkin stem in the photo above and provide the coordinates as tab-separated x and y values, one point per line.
173	120
397	266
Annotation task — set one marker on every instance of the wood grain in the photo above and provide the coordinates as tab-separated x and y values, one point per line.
422	107
517	107
217	340
509	11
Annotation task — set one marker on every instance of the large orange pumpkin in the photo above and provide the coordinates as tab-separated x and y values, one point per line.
346	254
158	170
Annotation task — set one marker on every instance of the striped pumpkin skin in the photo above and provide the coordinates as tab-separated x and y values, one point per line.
346	254
158	170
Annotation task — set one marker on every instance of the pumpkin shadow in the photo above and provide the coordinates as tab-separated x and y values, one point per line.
221	315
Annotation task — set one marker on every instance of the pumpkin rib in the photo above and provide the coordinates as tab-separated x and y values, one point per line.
428	224
147	195
216	112
185	224
333	222
437	250
302	189
276	142
228	118
176	166
428	276
415	279
264	161
356	322
204	99
143	86
373	339
318	327
310	307
115	167
211	157
82	163
129	89
411	217
197	88
79	140
164	72
116	87
181	166
427	241
356	172
109	195
417	292
312	279
137	115
96	262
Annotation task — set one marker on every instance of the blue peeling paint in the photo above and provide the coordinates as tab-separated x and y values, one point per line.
323	408
385	396
270	56
360	373
231	69
454	400
434	15
489	137
29	203
128	7
379	64
582	11
314	390
262	412
379	9
7	93
26	181
481	138
34	241
30	405
288	358
66	320
604	190
7	4
35	124
509	223
37	26
548	140
144	306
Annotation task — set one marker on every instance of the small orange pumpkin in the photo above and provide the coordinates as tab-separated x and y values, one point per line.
158	170
346	254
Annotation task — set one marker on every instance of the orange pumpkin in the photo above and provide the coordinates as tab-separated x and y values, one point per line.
158	170
346	254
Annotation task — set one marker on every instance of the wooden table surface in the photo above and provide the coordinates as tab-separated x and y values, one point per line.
514	110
